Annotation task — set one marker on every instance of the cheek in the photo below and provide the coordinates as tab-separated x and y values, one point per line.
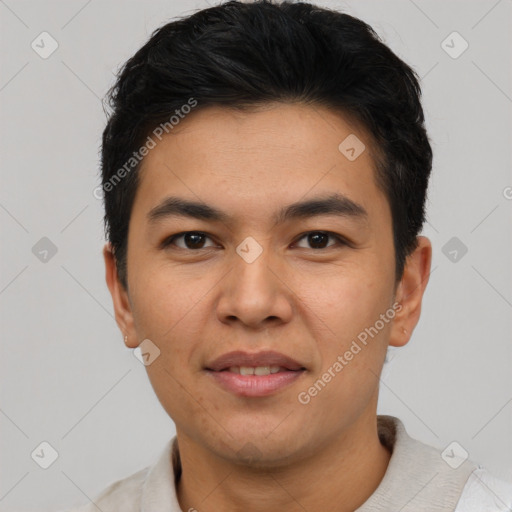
347	301
163	299
171	312
351	306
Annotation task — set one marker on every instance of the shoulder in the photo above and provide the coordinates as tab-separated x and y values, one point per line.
151	488
483	491
124	494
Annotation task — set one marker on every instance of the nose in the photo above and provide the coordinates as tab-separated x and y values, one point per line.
254	294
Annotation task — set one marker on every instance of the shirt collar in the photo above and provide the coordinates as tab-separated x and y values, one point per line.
159	490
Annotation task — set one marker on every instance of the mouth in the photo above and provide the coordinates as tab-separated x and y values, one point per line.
254	375
257	370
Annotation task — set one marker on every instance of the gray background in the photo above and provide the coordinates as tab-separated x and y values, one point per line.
67	377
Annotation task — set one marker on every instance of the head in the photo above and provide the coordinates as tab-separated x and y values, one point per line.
247	109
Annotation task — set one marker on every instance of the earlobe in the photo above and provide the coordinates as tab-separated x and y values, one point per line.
410	292
120	299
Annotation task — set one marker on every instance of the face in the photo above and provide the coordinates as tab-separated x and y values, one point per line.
256	274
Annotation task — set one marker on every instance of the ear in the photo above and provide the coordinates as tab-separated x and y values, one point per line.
409	293
120	297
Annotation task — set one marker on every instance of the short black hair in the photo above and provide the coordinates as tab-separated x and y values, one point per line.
244	55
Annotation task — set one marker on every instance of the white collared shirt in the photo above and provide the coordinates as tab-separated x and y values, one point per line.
417	480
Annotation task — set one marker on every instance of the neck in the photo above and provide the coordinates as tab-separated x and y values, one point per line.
339	477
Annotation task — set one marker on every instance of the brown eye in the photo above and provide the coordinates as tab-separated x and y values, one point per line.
319	239
192	240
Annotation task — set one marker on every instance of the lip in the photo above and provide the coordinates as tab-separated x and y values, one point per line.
264	358
254	385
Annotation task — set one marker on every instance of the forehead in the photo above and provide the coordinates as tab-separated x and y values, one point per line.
252	160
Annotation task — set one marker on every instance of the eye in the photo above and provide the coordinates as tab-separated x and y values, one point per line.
318	239
193	240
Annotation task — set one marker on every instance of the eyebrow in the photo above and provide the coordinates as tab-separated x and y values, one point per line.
334	204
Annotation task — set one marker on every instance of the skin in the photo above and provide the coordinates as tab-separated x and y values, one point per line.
310	304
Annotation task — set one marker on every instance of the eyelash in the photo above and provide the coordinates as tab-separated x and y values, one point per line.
169	240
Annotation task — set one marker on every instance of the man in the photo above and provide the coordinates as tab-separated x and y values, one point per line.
264	171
